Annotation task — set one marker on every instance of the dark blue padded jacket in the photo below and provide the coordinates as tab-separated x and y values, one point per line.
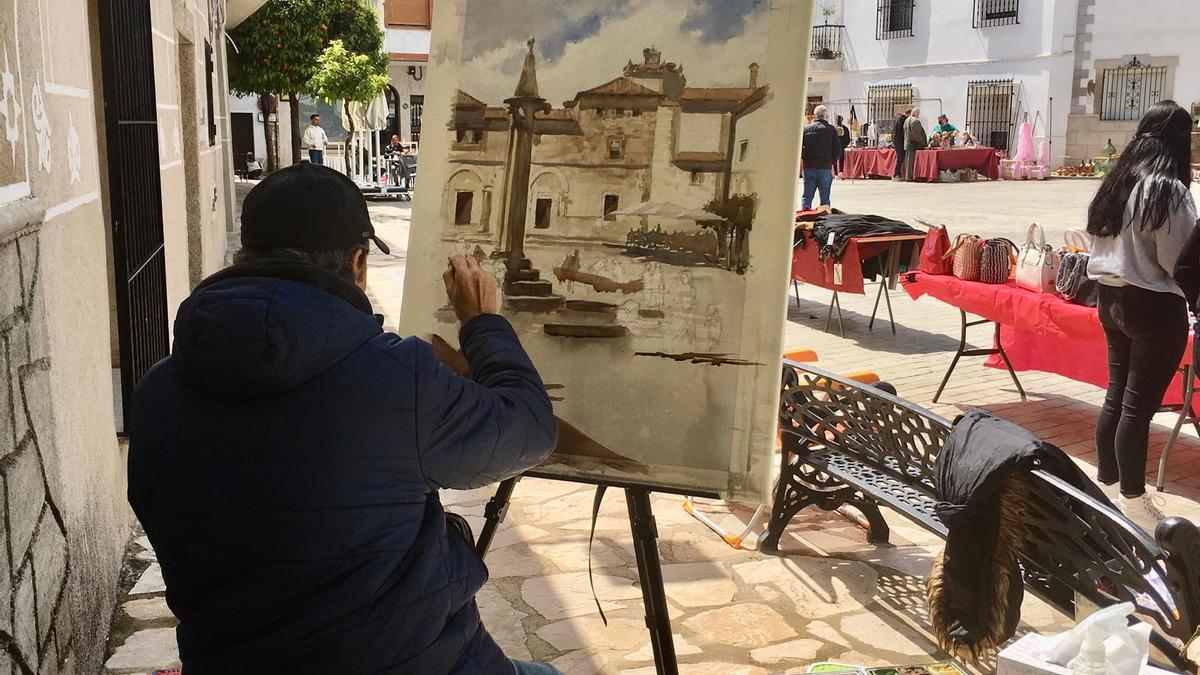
285	462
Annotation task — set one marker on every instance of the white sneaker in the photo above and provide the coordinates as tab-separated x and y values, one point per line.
1141	511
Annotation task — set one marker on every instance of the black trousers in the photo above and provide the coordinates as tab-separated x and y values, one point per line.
900	161
1146	333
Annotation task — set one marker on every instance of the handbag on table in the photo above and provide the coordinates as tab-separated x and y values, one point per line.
1073	283
996	261
965	255
1077	241
1037	263
933	251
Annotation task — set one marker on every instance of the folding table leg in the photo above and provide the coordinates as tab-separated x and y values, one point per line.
1008	365
835	304
962	347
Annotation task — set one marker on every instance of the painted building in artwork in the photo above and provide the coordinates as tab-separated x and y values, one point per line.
1083	71
115	199
644	136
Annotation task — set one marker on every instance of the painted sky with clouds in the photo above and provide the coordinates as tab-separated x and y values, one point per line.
585	43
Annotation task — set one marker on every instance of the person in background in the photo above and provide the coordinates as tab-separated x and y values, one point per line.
898	142
1141	218
820	150
914	140
286	459
844	138
254	170
315	140
393	150
944	125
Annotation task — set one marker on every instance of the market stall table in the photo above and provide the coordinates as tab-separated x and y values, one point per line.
846	275
930	164
868	163
1040	331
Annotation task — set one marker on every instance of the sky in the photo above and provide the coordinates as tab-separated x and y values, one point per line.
584	43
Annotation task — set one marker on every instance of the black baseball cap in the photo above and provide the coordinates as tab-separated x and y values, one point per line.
307	207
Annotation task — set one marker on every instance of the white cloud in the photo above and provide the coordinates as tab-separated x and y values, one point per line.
492	76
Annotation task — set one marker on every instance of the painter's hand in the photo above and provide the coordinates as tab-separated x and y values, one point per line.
472	290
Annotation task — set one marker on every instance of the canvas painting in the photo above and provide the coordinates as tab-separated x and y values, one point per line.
627	170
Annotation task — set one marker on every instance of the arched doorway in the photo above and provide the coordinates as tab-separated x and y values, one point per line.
393	119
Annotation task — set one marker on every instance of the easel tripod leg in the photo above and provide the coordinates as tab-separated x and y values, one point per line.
494	512
645	547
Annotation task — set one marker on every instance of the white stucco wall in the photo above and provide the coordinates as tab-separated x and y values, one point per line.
1171	28
946	52
407	40
700	132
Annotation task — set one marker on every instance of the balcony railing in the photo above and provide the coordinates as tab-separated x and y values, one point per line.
827	42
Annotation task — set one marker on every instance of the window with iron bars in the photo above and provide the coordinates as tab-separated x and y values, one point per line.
1128	91
995	13
894	19
885	101
416	108
990	112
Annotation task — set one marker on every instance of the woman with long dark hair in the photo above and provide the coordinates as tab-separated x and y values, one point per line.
1141	218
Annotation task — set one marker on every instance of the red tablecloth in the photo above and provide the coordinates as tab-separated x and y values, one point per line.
1039	331
807	268
869	162
931	163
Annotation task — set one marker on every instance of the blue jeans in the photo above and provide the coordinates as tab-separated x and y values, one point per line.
814	180
317	157
535	668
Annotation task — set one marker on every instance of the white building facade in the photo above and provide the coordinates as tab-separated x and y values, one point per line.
991	64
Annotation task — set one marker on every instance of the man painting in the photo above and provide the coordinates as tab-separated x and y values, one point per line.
819	151
914	140
315	140
286	458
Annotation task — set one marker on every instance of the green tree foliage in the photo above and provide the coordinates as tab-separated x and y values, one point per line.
277	50
343	75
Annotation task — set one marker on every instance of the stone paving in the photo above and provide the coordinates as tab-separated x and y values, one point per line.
829	595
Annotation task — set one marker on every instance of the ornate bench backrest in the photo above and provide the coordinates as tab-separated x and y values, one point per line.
1092	549
821	410
1072	541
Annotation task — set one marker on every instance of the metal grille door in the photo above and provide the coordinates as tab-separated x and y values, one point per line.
1130	90
884	102
990	112
135	193
416	108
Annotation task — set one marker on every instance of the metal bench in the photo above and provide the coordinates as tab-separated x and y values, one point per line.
849	444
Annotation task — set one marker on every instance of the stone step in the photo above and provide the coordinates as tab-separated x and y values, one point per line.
525	303
525	275
540	288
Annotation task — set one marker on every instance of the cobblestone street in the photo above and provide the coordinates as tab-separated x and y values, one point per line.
829	595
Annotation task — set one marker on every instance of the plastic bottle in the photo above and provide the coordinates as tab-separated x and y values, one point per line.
1091	658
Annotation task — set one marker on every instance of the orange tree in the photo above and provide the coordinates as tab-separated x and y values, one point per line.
277	49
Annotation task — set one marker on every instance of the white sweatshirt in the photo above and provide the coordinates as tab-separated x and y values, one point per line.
1144	257
314	138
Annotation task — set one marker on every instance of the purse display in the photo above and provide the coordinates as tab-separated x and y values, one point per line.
1073	283
933	251
996	261
1037	263
1077	241
965	256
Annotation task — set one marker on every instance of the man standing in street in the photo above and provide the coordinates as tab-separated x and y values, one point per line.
286	459
898	143
315	140
844	140
819	151
914	140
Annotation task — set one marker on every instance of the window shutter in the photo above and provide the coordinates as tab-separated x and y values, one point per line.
408	13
